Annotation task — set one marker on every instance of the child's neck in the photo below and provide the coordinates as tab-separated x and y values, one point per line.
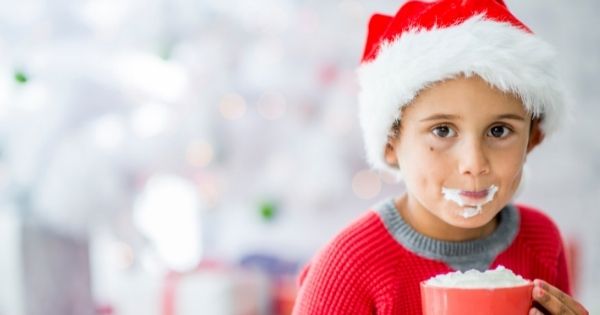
431	226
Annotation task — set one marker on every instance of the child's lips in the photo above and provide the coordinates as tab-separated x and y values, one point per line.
474	194
472	202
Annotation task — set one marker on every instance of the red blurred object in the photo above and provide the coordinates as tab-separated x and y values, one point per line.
105	309
172	281
284	295
572	253
328	73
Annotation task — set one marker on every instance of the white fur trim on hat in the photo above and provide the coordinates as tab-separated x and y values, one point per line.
505	56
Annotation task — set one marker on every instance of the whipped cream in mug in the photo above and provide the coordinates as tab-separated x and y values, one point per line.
500	277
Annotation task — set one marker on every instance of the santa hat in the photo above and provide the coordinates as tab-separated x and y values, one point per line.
430	41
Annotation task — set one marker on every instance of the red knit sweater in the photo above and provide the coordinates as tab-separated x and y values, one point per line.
364	270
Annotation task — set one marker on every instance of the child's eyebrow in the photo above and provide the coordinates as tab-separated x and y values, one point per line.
450	117
511	116
440	116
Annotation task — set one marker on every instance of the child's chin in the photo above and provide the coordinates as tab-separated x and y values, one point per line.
472	221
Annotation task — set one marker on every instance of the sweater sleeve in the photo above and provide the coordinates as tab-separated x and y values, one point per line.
542	236
340	279
562	275
332	284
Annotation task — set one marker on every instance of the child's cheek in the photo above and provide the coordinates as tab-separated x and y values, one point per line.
435	156
437	146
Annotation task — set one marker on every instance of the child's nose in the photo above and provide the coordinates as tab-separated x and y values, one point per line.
473	158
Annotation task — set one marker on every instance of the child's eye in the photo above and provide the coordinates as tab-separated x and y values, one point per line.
443	131
499	131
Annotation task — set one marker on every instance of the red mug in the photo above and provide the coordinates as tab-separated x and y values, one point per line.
514	300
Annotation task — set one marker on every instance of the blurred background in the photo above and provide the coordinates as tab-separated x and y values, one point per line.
176	157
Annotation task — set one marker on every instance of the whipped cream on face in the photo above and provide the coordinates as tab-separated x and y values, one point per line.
500	277
470	210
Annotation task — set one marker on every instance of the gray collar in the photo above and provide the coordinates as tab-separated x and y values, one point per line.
473	254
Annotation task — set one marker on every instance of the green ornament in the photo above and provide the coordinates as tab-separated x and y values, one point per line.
268	210
21	77
165	51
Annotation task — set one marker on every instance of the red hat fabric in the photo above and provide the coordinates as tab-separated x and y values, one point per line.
430	41
426	15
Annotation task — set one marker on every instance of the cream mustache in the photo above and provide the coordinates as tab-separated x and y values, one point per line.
471	205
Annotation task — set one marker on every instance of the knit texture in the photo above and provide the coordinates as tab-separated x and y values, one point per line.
474	254
367	268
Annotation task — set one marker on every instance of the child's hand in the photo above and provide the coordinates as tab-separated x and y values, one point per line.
554	300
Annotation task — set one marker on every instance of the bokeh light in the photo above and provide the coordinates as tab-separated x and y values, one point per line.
200	153
232	106
109	132
366	184
271	105
168	212
150	120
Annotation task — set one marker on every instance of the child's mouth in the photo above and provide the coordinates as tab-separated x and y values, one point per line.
475	194
471	202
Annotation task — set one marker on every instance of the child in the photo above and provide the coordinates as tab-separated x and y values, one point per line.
455	94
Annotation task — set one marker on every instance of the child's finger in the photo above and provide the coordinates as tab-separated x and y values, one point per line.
550	302
562	297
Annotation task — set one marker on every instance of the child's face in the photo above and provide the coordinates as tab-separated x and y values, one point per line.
464	136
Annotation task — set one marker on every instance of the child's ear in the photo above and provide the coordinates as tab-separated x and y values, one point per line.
536	135
390	154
